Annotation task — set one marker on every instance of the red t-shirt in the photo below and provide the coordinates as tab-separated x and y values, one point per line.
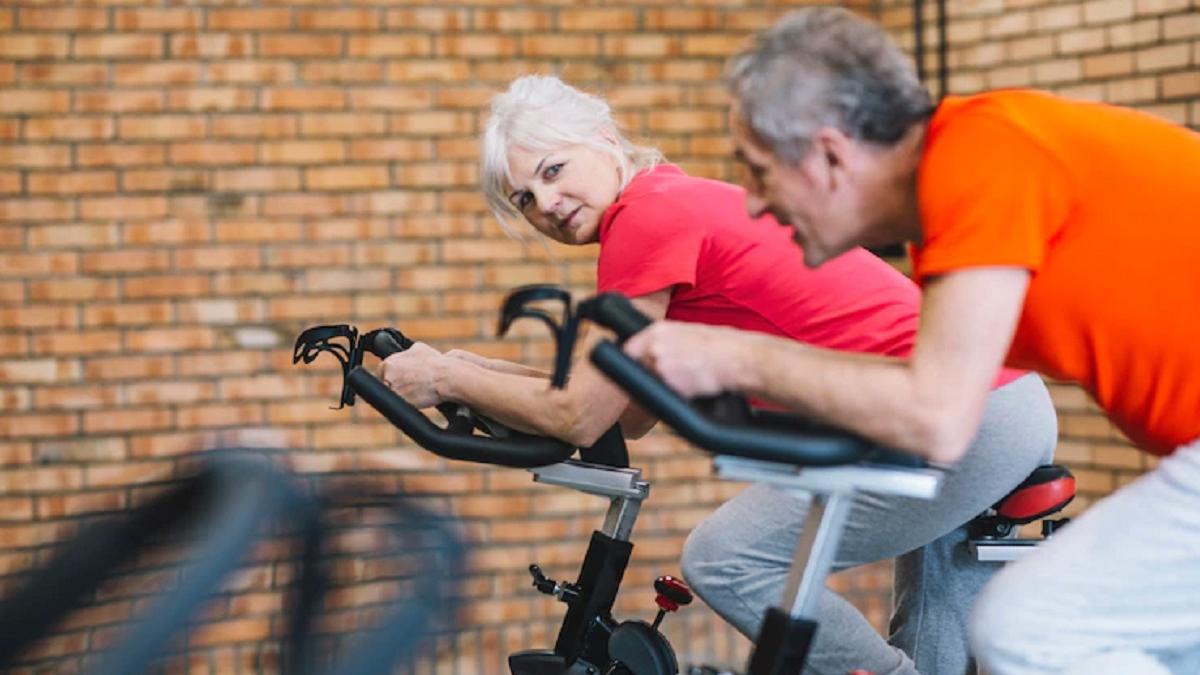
1102	206
692	235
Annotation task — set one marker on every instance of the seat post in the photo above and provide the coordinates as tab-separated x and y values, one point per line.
814	552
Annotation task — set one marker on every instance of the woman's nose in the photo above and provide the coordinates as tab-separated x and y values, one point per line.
546	198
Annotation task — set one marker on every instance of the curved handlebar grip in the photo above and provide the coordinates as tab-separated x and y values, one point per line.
798	442
519	450
615	312
385	344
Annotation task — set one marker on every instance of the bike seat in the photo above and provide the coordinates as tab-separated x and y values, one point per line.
1046	491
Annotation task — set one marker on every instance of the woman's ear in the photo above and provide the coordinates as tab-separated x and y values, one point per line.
609	136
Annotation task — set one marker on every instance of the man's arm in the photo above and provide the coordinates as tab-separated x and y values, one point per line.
930	404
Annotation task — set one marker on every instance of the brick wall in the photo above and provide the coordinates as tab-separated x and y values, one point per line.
184	188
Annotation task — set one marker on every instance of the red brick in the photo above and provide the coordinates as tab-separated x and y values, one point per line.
329	71
39	264
598	20
78	343
165	73
212	46
680	18
122	208
34	46
121	155
480	45
77	397
219	415
301	46
268	19
154	19
127	474
37	425
128	367
251	72
211	153
338	19
118	46
302	152
346	178
171	286
33	101
175	231
69	183
513	20
52	73
73	19
68	289
428	18
127	313
210	99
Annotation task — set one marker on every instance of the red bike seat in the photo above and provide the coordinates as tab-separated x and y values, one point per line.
1047	490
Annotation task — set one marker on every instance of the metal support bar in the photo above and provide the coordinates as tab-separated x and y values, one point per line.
594	479
814	553
622	513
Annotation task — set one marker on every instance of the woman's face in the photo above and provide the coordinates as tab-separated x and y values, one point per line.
564	192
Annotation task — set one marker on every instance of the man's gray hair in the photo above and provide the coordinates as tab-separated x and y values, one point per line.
825	67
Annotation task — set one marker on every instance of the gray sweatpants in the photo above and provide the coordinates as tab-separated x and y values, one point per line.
1115	592
737	559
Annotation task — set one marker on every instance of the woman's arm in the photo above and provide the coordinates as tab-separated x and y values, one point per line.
498	365
580	413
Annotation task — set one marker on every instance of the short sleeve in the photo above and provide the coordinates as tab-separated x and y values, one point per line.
989	195
650	245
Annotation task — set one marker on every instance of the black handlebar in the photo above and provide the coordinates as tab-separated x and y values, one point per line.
798	443
500	444
723	424
517	450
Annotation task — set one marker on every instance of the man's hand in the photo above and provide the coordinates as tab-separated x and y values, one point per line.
693	359
414	374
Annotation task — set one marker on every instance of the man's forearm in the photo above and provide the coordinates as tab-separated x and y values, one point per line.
878	397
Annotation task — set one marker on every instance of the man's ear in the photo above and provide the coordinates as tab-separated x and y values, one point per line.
832	153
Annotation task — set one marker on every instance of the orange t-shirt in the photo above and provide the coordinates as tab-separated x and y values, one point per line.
1102	205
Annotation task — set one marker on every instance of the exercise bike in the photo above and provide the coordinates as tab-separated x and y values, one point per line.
590	641
830	465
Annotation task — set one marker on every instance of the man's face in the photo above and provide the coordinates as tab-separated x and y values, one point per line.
802	196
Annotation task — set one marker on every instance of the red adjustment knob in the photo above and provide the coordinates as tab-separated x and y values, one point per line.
672	593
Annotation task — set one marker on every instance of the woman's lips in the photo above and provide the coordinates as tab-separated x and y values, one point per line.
569	222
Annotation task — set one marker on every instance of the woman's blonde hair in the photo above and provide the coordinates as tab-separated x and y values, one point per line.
541	112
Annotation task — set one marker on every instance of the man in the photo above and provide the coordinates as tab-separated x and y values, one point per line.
1048	234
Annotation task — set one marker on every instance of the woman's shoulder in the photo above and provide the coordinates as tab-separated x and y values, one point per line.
666	186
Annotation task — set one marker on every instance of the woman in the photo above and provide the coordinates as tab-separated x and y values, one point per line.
684	248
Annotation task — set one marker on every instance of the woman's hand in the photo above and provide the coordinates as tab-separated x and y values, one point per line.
414	374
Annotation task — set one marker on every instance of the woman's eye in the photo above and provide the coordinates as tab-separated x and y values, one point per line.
524	200
552	171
